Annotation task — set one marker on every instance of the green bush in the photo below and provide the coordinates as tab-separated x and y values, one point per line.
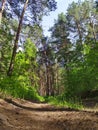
19	88
62	101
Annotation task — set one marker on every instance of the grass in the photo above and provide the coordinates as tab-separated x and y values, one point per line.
62	102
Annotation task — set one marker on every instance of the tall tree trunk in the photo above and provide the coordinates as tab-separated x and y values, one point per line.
93	29
79	32
52	82
2	9
9	73
47	80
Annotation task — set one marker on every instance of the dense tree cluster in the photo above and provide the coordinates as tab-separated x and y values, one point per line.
64	64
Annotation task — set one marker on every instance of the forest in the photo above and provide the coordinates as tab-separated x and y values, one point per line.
61	69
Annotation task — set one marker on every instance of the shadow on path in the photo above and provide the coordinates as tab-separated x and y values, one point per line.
45	108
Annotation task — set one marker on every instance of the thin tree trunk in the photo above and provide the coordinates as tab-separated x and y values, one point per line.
2	9
79	32
10	70
93	30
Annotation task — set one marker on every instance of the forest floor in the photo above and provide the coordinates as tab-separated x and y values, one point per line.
16	114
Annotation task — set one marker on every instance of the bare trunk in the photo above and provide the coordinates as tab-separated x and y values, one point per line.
9	73
47	81
2	9
93	30
52	83
79	32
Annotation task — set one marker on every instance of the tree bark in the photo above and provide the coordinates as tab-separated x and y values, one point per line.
79	32
10	70
47	81
93	29
2	9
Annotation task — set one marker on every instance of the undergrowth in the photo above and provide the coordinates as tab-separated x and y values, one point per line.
61	101
19	89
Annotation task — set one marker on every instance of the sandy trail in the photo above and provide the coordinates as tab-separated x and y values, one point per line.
23	115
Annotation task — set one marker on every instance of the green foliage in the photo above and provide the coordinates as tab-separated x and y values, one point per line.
25	63
62	101
29	49
68	68
5	46
19	87
82	76
23	82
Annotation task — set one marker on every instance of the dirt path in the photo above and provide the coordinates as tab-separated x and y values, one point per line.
23	115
